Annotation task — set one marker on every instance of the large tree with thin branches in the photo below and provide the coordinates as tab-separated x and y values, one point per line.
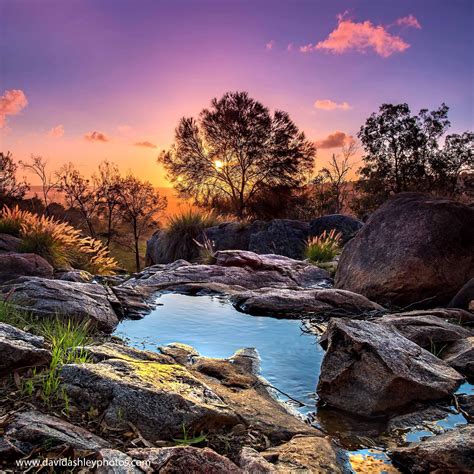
235	149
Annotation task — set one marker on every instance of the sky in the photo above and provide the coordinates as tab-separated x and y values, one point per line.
86	80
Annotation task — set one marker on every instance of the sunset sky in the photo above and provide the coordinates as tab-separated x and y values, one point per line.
87	80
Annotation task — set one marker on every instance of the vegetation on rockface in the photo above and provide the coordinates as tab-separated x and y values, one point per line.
65	338
184	230
324	247
57	242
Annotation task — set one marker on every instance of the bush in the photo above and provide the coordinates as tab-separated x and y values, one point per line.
58	242
324	247
183	231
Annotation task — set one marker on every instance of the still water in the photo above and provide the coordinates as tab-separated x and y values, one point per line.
290	359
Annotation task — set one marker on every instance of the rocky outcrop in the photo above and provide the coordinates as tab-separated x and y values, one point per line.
279	236
371	369
460	356
252	461
306	454
84	301
78	276
447	452
347	226
14	265
181	459
414	248
21	349
464	296
429	332
35	428
9	243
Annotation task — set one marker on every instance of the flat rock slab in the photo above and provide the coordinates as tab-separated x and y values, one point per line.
84	301
21	349
182	459
37	428
371	369
157	398
429	332
460	356
449	452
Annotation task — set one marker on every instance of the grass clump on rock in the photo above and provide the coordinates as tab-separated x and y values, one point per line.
182	232
324	247
57	242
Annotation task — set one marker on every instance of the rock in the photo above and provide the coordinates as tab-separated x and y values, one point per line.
453	315
21	349
9	243
233	235
110	350
327	302
84	301
464	296
460	356
371	369
252	461
280	236
37	428
14	265
306	454
348	226
466	403
157	398
448	452
182	459
132	303
78	276
114	461
414	248
429	332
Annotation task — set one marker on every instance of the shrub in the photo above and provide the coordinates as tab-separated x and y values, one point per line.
324	247
58	242
207	252
182	232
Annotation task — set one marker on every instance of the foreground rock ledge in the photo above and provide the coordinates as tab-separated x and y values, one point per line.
371	369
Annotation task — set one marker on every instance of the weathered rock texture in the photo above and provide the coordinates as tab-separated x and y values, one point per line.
371	369
464	296
449	452
460	356
21	349
9	243
414	248
14	265
84	301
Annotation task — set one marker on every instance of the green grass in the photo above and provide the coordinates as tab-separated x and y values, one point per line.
65	337
186	440
182	232
324	247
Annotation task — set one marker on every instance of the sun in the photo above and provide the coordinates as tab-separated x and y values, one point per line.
218	164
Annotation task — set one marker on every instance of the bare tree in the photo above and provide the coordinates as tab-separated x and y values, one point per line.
139	203
107	182
10	187
49	181
80	194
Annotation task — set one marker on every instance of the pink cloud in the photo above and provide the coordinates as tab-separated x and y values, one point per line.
328	104
409	21
12	102
361	37
145	144
269	46
56	132
334	140
95	136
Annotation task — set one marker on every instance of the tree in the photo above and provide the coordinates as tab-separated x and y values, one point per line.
80	194
107	182
49	182
234	151
403	153
10	188
139	203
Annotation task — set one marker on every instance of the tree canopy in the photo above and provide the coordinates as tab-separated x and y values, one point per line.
234	151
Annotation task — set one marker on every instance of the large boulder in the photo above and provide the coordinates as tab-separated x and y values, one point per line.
83	301
9	243
450	452
21	349
414	249
14	265
347	226
464	296
371	369
460	356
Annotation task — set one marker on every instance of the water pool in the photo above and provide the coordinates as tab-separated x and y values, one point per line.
290	358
